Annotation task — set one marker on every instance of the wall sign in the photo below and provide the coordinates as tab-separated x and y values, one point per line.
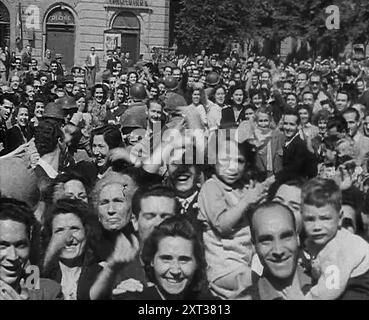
129	3
61	17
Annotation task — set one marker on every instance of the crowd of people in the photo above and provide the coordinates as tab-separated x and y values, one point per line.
189	178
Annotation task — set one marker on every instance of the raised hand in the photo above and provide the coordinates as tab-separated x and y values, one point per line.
129	285
124	252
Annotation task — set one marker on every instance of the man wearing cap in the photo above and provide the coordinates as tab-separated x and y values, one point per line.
93	66
68	85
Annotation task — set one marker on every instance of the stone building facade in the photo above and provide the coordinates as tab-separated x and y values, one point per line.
72	27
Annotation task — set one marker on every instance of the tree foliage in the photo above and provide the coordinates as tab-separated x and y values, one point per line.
212	24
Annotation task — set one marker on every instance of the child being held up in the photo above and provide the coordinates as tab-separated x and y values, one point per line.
223	201
339	258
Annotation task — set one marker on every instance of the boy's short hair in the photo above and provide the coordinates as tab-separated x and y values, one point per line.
320	192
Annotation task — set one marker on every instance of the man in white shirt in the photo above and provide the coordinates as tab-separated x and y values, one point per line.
93	66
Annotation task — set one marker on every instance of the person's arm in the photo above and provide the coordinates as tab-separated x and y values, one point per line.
125	251
56	244
220	215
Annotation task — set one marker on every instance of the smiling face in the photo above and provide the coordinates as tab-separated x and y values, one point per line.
308	99
304	116
100	150
14	250
342	102
183	178
220	96
22	117
263	121
174	264
276	241
291	100
99	95
230	164
6	110
320	224
196	97
75	245
257	100
290	125
114	209
132	78
39	109
154	113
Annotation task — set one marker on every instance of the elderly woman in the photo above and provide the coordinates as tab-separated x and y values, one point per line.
69	232
112	203
174	261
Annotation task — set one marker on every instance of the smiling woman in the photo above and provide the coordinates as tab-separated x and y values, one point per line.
68	236
174	261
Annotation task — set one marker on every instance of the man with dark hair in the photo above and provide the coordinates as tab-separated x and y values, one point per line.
151	205
343	101
298	161
17	232
6	110
337	126
352	118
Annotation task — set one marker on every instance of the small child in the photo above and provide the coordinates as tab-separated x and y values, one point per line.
223	201
338	256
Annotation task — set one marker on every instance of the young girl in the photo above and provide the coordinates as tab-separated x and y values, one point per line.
269	143
223	201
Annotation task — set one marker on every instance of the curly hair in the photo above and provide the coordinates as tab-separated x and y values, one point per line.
47	134
177	226
87	218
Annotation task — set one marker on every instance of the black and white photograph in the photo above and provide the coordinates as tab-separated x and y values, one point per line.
202	151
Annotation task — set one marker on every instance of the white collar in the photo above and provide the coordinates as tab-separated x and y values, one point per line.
50	171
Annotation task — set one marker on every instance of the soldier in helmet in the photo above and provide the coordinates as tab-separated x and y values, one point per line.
212	80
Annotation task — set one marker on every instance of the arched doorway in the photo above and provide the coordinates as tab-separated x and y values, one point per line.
60	34
128	25
4	26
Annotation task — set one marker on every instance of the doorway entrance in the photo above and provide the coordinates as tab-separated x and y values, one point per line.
128	25
60	35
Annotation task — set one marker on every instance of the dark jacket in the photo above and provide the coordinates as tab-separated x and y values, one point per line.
298	161
15	137
228	118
